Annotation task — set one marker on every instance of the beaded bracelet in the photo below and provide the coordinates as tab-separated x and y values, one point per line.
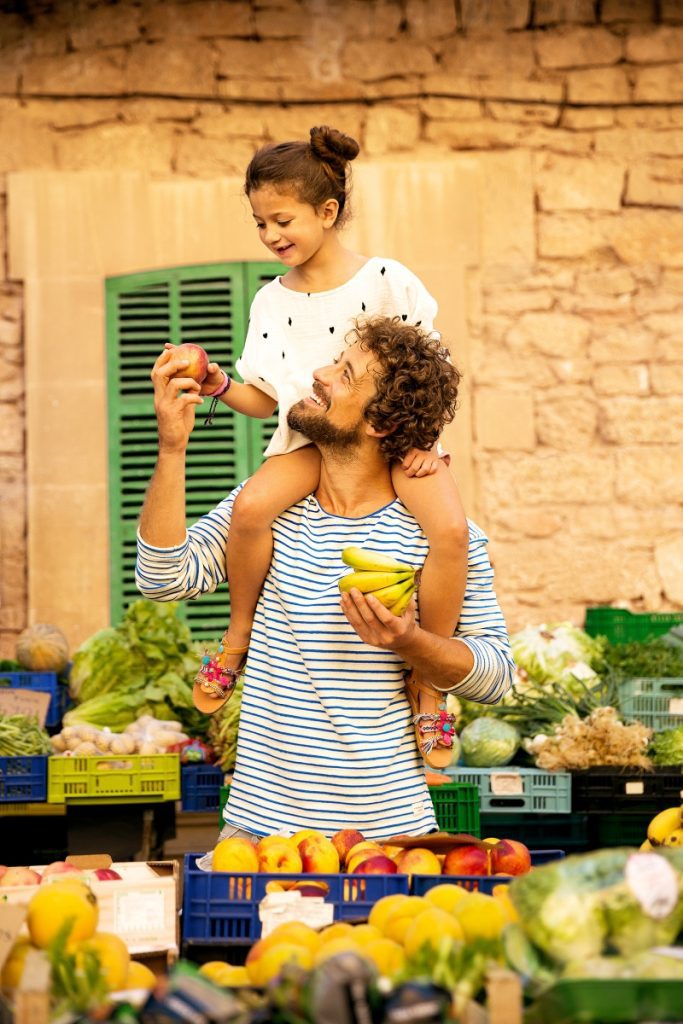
215	395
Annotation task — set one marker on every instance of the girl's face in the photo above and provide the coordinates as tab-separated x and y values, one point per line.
293	231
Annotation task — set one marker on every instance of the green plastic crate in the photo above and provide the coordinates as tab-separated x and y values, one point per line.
568	832
512	788
608	1001
621	626
657	703
618	829
118	779
456	806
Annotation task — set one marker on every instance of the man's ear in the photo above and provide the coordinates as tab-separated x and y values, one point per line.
328	212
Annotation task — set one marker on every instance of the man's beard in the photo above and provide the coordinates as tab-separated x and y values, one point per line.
322	433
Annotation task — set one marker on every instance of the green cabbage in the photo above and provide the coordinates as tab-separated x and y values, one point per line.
557	652
667	747
488	743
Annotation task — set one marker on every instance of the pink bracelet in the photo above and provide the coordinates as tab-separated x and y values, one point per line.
222	387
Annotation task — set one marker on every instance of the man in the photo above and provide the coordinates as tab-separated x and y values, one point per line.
326	739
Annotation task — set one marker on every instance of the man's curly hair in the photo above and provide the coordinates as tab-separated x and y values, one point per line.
417	386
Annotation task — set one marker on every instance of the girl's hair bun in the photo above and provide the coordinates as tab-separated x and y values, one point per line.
329	144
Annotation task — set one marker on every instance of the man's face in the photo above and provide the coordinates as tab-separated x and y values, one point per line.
332	416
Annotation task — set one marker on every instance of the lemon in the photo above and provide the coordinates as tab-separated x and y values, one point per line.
139	976
481	916
297	932
446	896
387	956
112	952
502	894
383	908
338	930
429	927
342	944
364	933
401	917
225	975
266	967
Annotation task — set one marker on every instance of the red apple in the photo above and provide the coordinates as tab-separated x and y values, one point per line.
20	876
197	358
379	865
106	874
345	840
510	857
59	867
467	860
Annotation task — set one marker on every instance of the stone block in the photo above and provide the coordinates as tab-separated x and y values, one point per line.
652	420
578	48
358	19
571	371
75	113
210	19
598	85
638	237
621	379
561	12
673	280
548	477
650	116
11	429
566	418
94	73
553	334
213	157
639	144
10	333
669	562
664	324
517	301
667	379
568	183
610	344
627	11
295	122
373	60
524	113
655	45
443	108
485	14
12	390
428	21
659	84
173	69
643	472
289	22
607	280
669	349
164	111
391	129
494	87
504	419
587	118
93	28
241	58
147	148
499	366
504	54
656	184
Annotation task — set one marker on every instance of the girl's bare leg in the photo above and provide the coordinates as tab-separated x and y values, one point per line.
280	482
435	502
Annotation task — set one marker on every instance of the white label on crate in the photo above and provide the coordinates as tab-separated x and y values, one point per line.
507	784
653	882
634	788
139	911
676	706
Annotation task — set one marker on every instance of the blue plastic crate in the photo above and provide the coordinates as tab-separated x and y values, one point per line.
518	789
220	906
23	779
42	682
200	787
479	883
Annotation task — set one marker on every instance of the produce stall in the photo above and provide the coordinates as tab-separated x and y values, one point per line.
497	919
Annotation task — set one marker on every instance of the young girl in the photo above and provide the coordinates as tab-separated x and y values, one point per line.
298	193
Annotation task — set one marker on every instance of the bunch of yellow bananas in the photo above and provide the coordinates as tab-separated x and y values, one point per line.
391	582
665	829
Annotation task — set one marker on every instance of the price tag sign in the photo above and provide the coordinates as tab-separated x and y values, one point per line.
507	784
139	911
635	788
676	706
11	919
653	882
24	702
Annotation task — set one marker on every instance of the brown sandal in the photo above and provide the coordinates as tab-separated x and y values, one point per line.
434	725
214	684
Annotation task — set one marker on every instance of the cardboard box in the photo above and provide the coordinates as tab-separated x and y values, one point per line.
141	907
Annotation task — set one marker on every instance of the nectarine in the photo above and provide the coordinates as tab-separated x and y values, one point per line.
467	860
345	840
378	865
20	876
198	361
319	855
418	861
510	857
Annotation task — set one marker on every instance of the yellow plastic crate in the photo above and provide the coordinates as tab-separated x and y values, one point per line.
113	779
32	810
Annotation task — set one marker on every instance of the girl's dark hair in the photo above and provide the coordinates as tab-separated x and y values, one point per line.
317	170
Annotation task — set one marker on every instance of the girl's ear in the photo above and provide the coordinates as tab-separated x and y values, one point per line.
372	432
328	212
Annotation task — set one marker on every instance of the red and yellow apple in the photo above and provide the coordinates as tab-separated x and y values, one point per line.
319	855
345	840
198	361
59	867
20	876
417	861
282	857
467	860
510	857
379	864
235	854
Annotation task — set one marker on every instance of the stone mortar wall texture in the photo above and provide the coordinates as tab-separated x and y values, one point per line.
577	361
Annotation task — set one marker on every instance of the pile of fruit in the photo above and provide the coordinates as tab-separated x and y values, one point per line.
665	829
146	735
309	851
12	876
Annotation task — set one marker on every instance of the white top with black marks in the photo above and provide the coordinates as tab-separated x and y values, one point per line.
291	334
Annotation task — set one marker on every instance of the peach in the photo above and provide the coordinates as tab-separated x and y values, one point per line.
510	857
467	860
60	867
20	876
198	361
319	855
418	861
303	833
392	851
235	854
358	858
378	865
345	840
282	857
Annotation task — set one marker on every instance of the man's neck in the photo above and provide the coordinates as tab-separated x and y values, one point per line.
354	485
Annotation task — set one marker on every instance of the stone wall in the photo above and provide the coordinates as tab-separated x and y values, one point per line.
576	360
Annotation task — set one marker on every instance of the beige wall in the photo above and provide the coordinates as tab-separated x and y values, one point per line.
563	121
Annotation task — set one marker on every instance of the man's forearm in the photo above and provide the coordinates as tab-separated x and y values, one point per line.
445	662
162	520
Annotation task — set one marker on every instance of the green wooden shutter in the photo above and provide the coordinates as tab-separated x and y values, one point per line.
207	304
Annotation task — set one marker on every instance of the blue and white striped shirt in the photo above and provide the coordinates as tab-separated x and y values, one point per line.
326	739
